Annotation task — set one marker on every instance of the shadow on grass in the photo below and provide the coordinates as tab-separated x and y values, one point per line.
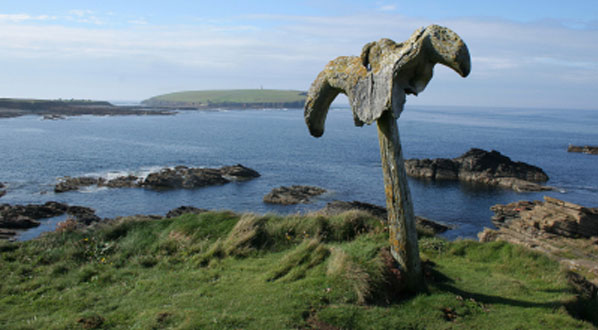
582	308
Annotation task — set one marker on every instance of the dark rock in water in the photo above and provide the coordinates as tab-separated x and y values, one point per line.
47	210
26	216
423	224
565	231
480	166
238	172
188	178
69	184
128	181
2	193
167	178
18	222
83	214
590	150
429	226
184	210
7	234
292	195
53	117
338	207
184	177
1	185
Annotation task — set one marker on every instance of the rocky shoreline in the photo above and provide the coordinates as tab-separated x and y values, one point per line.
179	177
480	166
60	109
564	231
292	195
17	218
423	225
590	150
22	217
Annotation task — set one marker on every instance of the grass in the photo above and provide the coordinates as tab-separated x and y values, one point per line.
221	270
235	96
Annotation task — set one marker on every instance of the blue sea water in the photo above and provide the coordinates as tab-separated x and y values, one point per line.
34	153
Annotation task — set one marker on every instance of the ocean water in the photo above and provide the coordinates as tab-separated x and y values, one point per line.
34	153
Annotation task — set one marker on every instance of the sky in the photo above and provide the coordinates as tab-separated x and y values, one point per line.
525	53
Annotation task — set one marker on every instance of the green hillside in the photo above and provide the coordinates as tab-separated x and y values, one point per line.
222	270
234	98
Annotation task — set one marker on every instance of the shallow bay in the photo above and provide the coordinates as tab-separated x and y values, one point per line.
276	143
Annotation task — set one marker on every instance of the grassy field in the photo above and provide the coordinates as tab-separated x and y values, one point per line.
224	97
221	270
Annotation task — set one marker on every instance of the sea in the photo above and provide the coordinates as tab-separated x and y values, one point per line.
36	153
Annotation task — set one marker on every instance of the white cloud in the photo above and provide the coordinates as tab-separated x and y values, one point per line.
17	18
138	21
387	8
80	12
208	54
85	16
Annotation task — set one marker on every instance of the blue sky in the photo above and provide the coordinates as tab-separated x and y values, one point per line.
524	53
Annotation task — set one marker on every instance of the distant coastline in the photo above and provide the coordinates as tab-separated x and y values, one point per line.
56	109
166	104
229	99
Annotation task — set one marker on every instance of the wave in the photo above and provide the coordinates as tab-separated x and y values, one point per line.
91	189
592	189
142	173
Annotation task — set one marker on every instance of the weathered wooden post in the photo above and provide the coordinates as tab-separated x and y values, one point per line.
376	84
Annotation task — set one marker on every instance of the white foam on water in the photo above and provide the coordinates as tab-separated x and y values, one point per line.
91	189
143	172
115	174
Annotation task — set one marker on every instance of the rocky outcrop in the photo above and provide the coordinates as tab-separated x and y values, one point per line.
184	177
128	181
53	117
292	195
27	216
59	109
33	211
6	234
188	178
565	231
2	191
590	150
69	184
83	215
338	207
480	166
423	224
552	216
184	210
238	172
18	222
167	178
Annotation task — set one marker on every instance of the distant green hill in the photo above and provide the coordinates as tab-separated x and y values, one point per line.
233	98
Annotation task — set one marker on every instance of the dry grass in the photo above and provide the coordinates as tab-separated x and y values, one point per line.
303	258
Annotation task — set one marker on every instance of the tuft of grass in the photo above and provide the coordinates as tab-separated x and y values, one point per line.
345	269
247	236
295	264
